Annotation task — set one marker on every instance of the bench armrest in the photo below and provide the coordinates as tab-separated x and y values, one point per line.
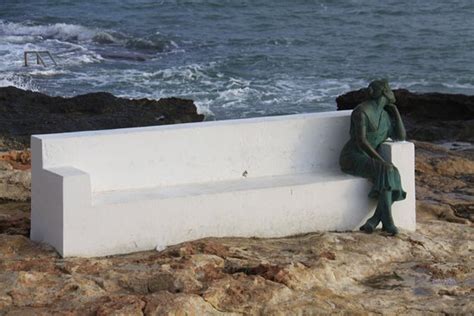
58	196
398	152
67	172
74	184
402	155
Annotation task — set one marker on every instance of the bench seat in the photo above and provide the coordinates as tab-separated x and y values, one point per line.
245	184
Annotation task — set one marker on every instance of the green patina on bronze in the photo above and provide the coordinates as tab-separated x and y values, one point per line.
372	122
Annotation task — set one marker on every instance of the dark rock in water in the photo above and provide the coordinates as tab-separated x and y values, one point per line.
421	105
23	113
427	116
124	56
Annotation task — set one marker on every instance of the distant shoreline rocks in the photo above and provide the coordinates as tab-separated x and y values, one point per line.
433	117
428	116
23	113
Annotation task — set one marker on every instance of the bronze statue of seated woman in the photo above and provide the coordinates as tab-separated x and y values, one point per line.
372	122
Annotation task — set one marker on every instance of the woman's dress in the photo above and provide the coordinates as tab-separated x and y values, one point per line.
355	161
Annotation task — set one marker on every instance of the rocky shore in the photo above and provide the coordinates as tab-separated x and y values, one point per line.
23	113
427	272
427	116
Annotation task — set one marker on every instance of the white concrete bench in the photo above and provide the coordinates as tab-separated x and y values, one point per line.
117	191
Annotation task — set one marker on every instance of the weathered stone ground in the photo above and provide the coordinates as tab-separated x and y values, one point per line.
445	183
426	272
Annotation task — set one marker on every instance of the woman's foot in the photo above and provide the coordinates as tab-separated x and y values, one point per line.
388	225
390	229
367	228
371	223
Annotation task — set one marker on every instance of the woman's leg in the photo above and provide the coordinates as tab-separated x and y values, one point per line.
380	175
383	213
369	170
372	222
385	205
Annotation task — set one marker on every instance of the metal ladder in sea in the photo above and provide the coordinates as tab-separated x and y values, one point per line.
39	59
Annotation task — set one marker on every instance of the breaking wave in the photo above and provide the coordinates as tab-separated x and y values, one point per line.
18	81
20	33
61	31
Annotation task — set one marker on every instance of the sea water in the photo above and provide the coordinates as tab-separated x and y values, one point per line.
238	58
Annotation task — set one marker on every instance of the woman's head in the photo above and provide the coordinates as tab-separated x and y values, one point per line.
379	88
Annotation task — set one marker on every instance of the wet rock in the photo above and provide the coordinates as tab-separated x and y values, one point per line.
366	273
241	293
15	159
175	282
444	184
427	116
442	106
165	303
121	305
5	301
15	175
23	113
15	185
14	218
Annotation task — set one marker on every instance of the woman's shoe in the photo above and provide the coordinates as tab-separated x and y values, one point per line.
367	228
391	230
387	223
371	223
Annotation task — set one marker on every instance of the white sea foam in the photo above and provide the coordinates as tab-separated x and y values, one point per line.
65	54
203	107
62	31
445	85
18	81
181	74
17	39
459	85
458	146
48	72
407	83
216	94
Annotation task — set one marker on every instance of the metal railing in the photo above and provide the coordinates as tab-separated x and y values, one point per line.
39	59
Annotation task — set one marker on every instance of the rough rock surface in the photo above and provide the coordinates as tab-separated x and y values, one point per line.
23	113
427	272
15	175
444	183
430	271
427	116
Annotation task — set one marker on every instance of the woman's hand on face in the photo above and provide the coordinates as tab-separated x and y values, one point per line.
391	107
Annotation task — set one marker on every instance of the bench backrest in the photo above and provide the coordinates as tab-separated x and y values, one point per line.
198	152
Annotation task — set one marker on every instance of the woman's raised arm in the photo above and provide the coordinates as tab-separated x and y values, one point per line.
399	132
